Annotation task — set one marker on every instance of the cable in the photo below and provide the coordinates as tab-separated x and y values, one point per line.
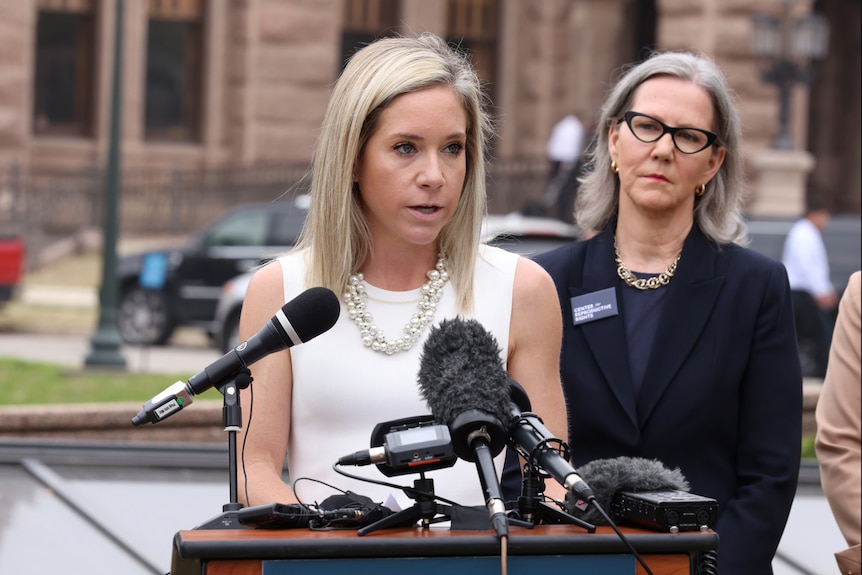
407	490
621	536
708	563
564	451
245	438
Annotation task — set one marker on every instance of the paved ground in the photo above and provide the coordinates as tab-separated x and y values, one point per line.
64	319
71	350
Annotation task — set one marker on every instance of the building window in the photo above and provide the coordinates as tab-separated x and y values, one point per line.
174	70
366	21
63	88
474	26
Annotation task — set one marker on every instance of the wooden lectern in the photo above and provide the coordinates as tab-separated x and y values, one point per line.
435	550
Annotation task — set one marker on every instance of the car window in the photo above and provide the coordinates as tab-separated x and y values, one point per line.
286	226
240	229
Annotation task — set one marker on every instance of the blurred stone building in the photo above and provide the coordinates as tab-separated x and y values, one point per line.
229	84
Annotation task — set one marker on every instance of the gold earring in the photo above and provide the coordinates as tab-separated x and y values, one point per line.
614	167
700	190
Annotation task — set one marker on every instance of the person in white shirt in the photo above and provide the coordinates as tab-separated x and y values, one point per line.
565	147
565	144
807	264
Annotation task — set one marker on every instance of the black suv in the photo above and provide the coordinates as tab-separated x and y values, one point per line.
161	290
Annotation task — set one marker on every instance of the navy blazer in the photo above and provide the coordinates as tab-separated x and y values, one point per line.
722	392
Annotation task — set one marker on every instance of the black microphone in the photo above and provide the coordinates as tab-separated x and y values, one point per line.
535	443
303	318
462	380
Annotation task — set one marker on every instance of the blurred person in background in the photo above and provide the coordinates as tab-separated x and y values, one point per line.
565	149
678	343
814	298
565	144
839	426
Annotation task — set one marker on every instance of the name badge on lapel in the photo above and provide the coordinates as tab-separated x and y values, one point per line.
592	306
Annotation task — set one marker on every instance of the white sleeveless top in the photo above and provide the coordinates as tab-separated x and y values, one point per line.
342	389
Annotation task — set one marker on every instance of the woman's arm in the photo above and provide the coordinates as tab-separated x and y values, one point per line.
768	429
266	404
535	337
839	422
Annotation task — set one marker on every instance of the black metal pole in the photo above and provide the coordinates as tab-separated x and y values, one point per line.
786	77
232	421
105	343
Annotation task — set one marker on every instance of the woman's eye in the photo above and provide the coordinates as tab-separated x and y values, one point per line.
454	148
405	148
693	137
648	126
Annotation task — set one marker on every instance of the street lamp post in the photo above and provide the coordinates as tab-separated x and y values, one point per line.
105	343
790	45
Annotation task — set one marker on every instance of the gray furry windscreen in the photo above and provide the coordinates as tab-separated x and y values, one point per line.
607	477
461	369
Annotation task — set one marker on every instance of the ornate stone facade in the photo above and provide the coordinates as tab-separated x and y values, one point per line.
269	64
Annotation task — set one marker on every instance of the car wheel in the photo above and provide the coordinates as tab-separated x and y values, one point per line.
230	331
143	317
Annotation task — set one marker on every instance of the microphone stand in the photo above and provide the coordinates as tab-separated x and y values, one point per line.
425	508
531	508
232	421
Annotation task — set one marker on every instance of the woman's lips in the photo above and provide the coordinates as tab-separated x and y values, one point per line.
657	177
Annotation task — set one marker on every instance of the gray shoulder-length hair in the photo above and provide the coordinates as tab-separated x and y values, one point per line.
336	230
718	213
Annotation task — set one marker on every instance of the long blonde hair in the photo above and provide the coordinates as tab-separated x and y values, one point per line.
374	76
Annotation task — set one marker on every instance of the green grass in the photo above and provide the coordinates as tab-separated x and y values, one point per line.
33	383
808	447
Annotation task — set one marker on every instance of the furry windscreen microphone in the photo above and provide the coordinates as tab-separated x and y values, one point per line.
461	370
607	477
462	379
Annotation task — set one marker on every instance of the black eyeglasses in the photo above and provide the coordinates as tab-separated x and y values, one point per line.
648	129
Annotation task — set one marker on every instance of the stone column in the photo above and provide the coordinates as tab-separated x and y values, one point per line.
18	60
422	16
779	181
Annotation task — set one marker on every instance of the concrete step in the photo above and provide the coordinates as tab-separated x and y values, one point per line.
200	422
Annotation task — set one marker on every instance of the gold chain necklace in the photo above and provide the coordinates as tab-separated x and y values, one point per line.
654	282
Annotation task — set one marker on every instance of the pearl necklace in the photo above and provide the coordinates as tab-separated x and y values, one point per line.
654	282
372	336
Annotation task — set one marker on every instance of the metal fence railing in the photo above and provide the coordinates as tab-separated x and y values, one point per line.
46	205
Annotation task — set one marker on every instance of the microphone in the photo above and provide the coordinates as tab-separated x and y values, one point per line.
303	318
408	445
461	366
462	380
534	442
613	477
